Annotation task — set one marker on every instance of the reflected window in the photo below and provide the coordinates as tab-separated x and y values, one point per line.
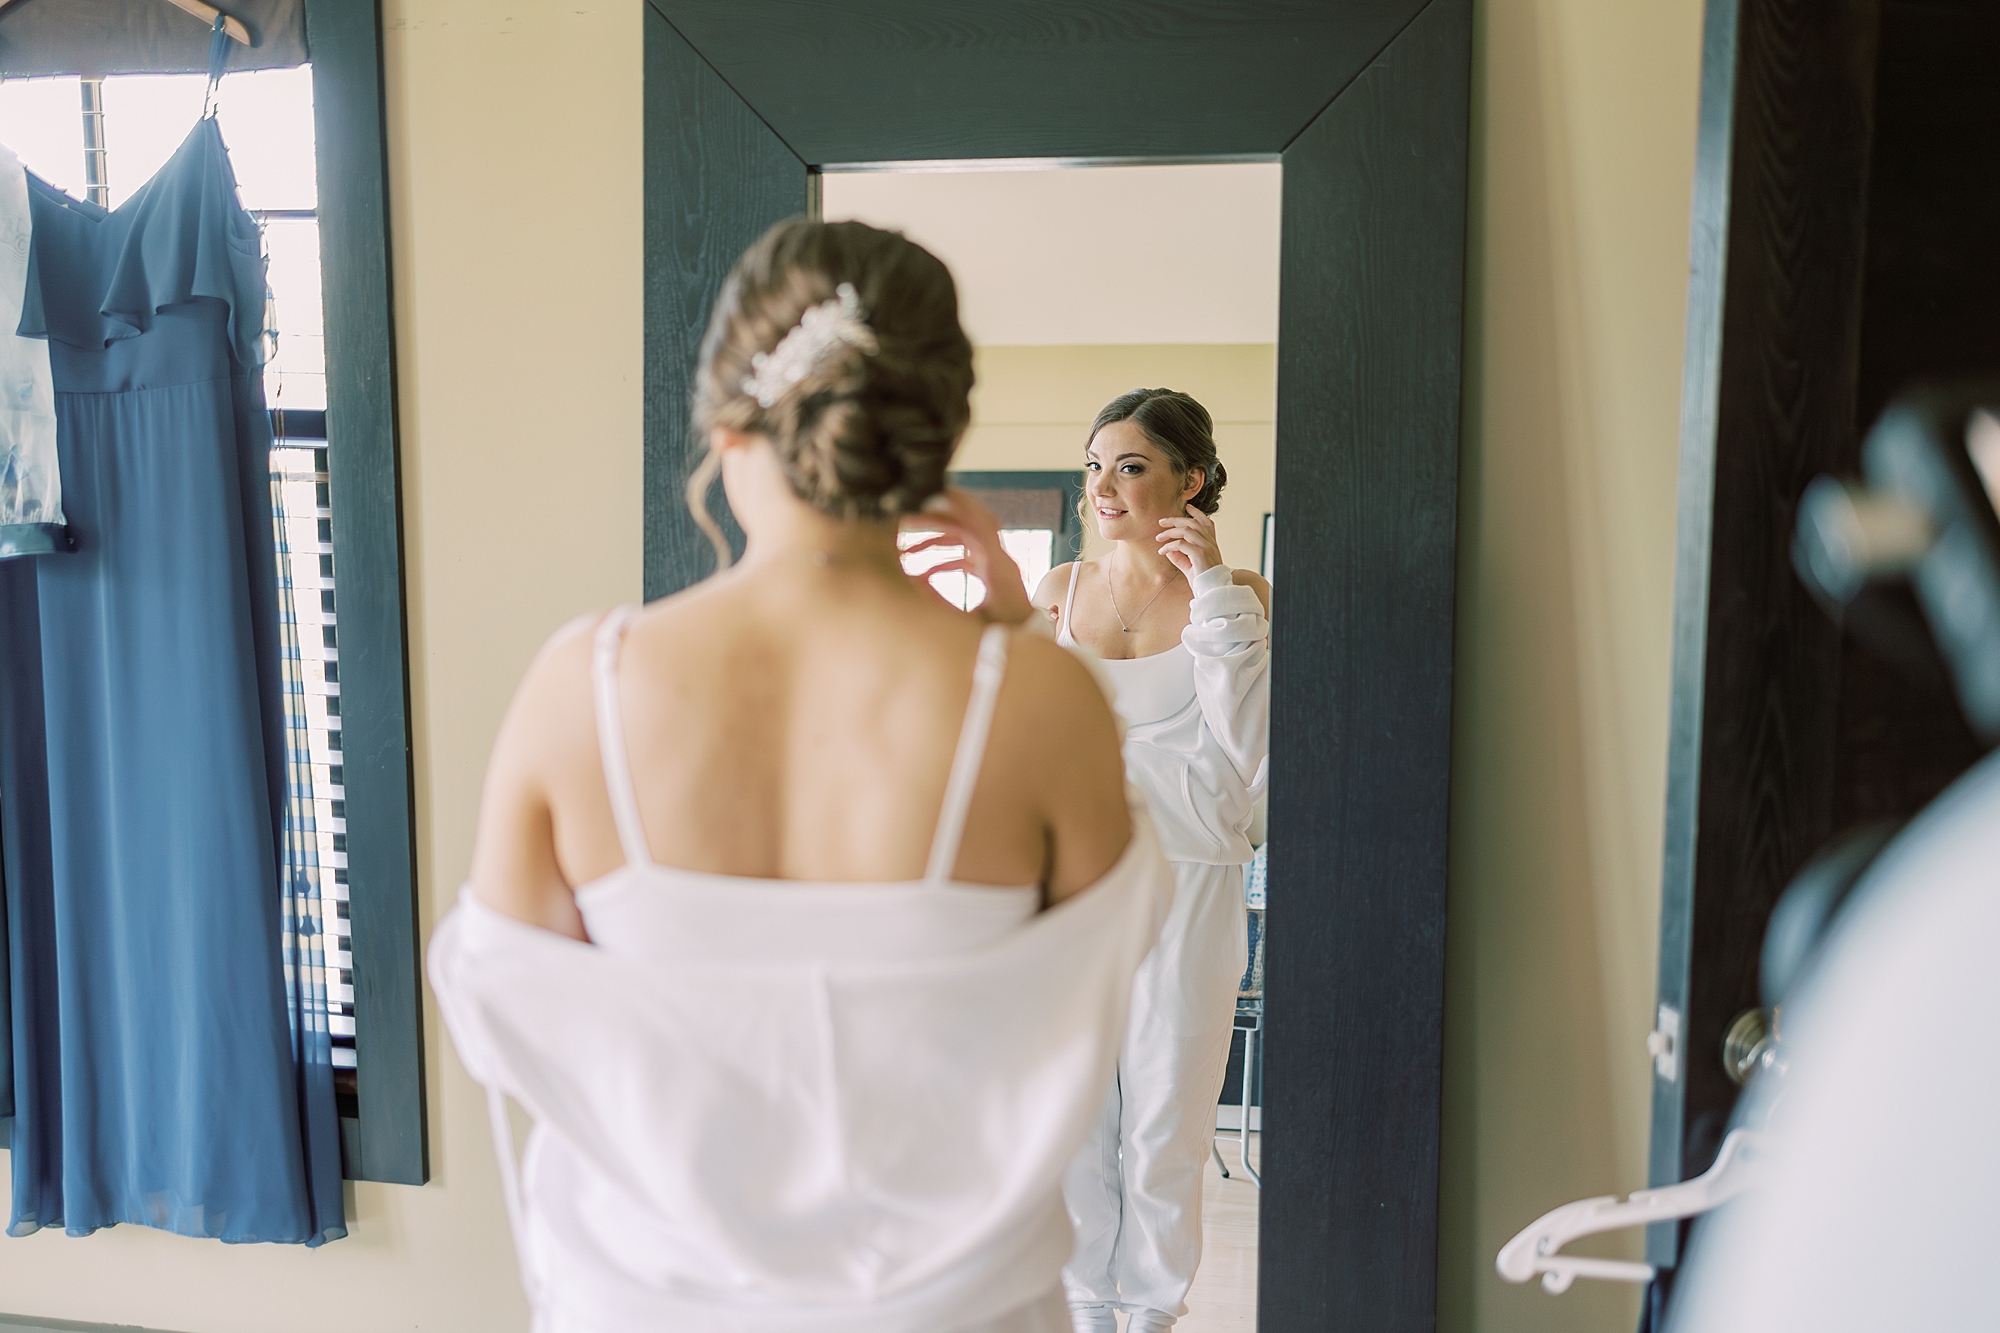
1039	527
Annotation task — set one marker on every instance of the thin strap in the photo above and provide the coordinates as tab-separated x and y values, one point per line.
986	676
611	737
510	1190
1075	568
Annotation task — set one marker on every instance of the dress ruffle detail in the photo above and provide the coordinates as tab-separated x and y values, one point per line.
189	240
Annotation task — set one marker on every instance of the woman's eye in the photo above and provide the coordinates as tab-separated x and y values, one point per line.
1132	469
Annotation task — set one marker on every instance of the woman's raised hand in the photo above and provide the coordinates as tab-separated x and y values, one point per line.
964	524
1190	542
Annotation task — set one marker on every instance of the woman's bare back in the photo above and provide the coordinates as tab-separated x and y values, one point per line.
795	722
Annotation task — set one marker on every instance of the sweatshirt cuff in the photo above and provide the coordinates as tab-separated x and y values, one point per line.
1213	579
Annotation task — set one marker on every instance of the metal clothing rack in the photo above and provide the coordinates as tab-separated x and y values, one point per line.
1249	1021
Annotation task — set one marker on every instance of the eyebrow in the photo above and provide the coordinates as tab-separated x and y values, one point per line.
1129	453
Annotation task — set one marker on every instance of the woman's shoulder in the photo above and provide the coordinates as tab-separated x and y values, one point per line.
1056	581
566	653
558	685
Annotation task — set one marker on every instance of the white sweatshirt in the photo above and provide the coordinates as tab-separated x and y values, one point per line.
1198	721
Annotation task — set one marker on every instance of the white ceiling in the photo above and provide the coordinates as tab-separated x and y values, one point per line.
1091	255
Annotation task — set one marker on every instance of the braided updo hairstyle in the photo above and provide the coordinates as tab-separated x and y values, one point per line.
862	435
1178	427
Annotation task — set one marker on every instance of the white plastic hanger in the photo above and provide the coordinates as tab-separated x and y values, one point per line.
1535	1249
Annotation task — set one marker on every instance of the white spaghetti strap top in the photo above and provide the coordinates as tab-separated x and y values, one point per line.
989	669
987	672
611	737
1146	689
1063	635
795	1024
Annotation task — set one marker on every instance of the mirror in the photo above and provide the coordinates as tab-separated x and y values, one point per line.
1076	286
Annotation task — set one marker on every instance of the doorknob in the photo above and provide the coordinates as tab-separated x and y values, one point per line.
1750	1045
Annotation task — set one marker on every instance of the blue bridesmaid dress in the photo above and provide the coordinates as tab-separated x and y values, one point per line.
159	1078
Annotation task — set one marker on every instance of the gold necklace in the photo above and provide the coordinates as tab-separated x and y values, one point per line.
1113	590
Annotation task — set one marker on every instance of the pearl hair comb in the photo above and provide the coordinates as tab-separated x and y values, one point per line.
819	330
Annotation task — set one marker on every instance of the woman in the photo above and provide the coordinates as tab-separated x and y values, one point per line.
756	927
1185	640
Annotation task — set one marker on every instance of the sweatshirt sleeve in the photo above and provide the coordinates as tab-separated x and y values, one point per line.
1230	640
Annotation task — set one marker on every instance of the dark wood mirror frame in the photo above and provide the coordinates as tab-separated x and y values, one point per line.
1366	105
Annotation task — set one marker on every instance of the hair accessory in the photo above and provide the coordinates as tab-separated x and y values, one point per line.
839	320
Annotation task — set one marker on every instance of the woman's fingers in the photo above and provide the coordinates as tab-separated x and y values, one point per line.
959	505
1195	540
959	523
1196	526
1190	553
940	541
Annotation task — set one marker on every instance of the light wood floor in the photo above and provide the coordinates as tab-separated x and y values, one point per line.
1224	1298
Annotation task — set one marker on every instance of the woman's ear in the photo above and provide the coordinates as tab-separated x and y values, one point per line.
1196	479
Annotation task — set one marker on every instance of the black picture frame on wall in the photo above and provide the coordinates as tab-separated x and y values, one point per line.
1366	105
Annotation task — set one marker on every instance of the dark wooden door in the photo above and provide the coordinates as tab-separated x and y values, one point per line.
1845	207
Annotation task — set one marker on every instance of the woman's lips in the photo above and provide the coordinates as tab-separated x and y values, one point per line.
1105	512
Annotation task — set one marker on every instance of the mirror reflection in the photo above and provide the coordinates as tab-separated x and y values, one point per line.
1141	520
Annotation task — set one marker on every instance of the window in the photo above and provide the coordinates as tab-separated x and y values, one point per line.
300	494
105	138
335	481
1039	527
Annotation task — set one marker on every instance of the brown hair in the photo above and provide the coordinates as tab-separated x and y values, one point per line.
864	434
1178	427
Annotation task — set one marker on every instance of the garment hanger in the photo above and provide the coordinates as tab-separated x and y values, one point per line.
209	14
1534	1250
206	13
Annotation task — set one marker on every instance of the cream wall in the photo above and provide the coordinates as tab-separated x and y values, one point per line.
514	146
1582	153
515	196
1032	409
1057	257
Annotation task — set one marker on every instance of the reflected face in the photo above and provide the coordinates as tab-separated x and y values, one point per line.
1130	485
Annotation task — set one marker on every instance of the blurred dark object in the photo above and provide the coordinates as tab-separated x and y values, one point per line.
1800	920
1926	518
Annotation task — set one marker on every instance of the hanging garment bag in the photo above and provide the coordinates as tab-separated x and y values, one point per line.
31	514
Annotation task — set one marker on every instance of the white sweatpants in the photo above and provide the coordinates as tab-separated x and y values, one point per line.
1134	1192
